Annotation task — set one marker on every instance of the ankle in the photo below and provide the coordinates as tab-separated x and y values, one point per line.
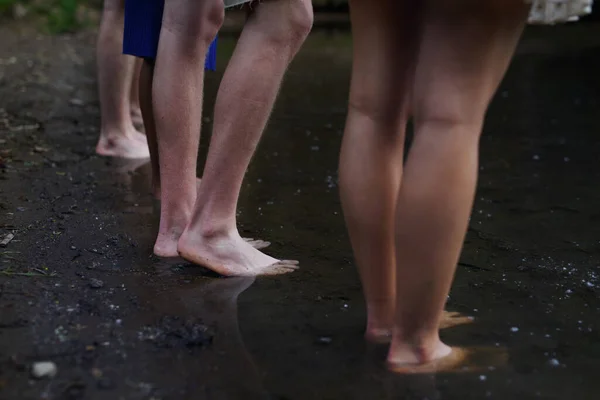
419	348
175	219
380	313
214	231
113	132
209	225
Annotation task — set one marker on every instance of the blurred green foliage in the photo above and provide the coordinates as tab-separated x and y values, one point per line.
60	15
70	15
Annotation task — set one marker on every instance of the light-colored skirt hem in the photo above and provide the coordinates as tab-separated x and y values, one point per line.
550	12
233	3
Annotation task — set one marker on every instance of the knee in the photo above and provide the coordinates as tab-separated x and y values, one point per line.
450	110
197	22
215	16
300	22
296	21
449	120
384	114
208	22
378	103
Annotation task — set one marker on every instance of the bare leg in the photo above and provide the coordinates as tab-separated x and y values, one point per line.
372	149
118	137
464	52
136	112
270	40
378	110
146	81
188	28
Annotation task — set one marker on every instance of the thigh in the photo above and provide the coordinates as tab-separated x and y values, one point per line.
193	18
280	18
465	50
385	37
114	5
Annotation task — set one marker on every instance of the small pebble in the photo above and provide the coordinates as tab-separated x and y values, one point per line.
96	283
45	369
482	378
514	329
324	340
554	362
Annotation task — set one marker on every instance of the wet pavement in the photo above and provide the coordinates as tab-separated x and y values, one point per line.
78	286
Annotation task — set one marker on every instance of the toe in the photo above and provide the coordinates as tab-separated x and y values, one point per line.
259	244
278	269
283	264
289	262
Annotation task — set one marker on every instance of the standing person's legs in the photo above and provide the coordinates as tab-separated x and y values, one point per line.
188	28
145	90
464	52
136	110
384	38
143	22
118	136
272	36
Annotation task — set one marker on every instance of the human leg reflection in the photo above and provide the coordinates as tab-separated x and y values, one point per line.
233	375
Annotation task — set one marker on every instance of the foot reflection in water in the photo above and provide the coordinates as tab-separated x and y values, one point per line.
201	314
389	381
133	176
460	360
234	374
422	382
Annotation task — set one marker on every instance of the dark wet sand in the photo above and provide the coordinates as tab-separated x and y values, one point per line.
529	274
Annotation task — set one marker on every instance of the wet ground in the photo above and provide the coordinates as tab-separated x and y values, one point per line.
78	286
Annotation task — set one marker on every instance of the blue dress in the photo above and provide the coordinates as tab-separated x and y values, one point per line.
143	21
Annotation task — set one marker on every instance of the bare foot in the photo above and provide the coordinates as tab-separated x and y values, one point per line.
452	318
467	360
231	255
131	144
380	320
378	334
404	360
166	246
257	243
